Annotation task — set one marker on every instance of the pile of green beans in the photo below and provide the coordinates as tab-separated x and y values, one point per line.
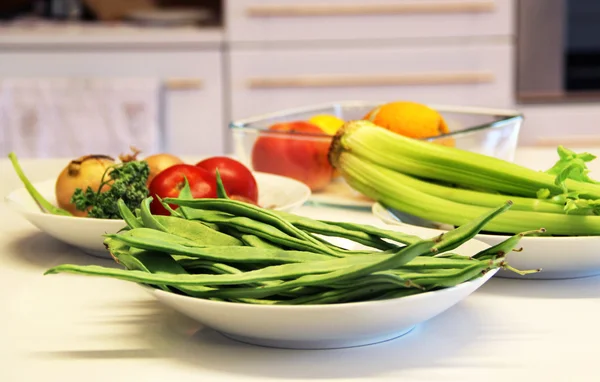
227	250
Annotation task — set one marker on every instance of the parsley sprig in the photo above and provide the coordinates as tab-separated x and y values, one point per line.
126	181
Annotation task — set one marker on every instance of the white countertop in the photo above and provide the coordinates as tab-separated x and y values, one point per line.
75	328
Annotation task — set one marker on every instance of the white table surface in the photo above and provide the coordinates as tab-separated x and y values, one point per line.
74	328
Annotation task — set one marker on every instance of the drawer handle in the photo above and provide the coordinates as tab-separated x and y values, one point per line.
371	80
297	10
183	84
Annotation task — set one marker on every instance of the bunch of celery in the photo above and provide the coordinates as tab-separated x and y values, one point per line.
452	186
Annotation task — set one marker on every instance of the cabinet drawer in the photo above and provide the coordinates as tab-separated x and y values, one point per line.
189	99
298	20
269	80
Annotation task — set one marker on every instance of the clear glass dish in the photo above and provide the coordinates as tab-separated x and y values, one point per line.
492	132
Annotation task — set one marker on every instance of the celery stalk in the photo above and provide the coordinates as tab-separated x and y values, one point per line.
478	198
387	186
432	161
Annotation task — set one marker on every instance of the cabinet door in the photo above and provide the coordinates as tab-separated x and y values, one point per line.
572	125
194	122
188	93
460	74
304	20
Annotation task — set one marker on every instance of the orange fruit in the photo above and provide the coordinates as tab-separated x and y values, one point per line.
410	119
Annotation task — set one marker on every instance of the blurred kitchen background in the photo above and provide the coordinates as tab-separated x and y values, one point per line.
95	76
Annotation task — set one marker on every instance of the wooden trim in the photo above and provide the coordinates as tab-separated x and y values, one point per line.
404	8
183	83
371	80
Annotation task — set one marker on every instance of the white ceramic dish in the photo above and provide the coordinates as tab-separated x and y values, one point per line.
559	257
339	194
276	192
324	326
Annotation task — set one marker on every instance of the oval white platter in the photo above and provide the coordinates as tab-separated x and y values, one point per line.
325	326
559	257
276	192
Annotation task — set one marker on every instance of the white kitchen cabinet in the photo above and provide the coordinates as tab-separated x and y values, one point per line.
460	73
571	125
190	114
351	20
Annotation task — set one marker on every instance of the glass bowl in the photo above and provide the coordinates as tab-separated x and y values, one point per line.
492	132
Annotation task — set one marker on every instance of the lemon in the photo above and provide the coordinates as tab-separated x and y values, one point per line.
328	123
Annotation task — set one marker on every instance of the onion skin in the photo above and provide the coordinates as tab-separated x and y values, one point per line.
83	172
160	162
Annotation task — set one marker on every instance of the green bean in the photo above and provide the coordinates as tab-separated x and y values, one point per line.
401	257
256	256
146	261
405	278
274	235
399	237
197	231
184	193
263	230
144	233
456	237
449	280
120	253
257	242
127	215
339	296
252	240
148	219
241	254
190	264
188	229
247	210
273	272
327	229
375	278
505	246
221	192
348	252
432	262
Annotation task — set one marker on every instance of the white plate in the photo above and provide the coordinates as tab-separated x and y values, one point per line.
276	192
559	257
323	326
339	194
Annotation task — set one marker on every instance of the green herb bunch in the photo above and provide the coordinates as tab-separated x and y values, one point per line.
126	181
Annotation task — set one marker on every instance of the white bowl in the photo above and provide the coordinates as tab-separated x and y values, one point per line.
320	326
559	257
276	192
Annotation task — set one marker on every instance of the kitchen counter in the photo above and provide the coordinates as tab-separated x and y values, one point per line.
74	328
67	35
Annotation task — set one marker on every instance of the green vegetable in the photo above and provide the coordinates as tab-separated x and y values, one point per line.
388	187
127	182
449	164
42	202
447	185
259	272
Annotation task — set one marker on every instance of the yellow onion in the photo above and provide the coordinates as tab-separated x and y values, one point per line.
159	162
83	172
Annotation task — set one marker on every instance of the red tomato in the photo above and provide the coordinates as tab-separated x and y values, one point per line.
169	182
237	179
302	159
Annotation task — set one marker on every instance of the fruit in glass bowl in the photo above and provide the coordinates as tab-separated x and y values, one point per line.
294	153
